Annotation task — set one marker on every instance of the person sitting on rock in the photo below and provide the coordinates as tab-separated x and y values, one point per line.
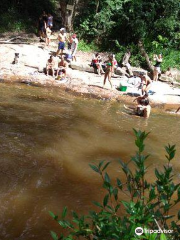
168	72
97	63
62	67
115	63
126	64
50	66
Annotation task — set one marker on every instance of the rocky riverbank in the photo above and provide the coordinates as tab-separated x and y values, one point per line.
81	80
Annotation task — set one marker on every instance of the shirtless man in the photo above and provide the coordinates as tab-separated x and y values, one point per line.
146	83
62	40
50	65
62	67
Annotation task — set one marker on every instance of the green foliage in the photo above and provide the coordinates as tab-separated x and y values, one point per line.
148	206
126	21
21	15
87	47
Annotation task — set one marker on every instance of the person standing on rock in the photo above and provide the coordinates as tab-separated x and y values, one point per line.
125	62
48	35
50	20
62	41
157	66
109	70
74	46
41	25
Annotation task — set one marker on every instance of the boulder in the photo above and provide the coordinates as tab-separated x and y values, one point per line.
138	71
82	67
175	73
121	71
165	78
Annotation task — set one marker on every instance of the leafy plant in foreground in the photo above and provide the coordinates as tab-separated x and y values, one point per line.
148	206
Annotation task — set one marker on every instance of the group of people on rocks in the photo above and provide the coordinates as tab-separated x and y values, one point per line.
57	65
72	44
45	25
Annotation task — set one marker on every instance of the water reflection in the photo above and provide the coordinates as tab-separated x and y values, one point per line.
47	140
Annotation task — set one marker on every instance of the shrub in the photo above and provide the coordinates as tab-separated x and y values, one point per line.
87	47
149	205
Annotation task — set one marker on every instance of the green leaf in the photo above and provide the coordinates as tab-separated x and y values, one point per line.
115	193
64	213
107	178
94	168
75	215
106	165
163	236
55	217
101	163
54	235
105	201
179	215
119	183
97	204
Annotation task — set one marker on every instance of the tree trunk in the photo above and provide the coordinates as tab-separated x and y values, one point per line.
68	13
63	5
97	6
145	55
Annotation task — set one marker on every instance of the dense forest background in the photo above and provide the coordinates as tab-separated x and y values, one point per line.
145	27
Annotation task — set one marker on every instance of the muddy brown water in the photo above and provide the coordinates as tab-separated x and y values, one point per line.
47	140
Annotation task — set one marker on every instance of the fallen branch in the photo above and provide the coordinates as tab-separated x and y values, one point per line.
4	42
10	41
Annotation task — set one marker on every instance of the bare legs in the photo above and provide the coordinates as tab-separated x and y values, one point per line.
107	75
47	41
74	58
99	68
155	75
50	69
59	51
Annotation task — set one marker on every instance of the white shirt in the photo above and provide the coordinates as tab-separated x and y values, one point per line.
74	44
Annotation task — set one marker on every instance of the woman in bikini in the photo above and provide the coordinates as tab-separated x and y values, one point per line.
157	68
109	70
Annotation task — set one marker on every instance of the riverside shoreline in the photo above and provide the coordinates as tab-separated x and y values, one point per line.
33	58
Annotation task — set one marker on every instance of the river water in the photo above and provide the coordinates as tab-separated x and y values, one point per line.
47	140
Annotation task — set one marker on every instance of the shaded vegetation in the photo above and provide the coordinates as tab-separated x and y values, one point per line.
19	15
